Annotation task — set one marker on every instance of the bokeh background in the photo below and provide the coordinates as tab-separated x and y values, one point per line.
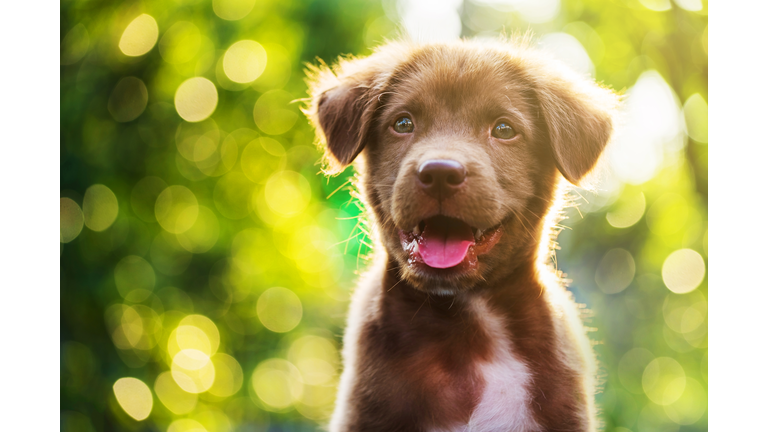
206	264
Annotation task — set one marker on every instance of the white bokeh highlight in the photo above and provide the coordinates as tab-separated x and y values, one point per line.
651	127
430	20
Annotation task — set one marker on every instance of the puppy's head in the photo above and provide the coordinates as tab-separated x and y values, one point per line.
460	146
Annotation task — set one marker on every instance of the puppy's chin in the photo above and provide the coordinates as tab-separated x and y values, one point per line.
443	282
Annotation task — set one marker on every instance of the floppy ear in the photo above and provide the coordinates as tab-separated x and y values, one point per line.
579	116
342	103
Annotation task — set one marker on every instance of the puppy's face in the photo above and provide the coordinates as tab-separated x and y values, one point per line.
461	145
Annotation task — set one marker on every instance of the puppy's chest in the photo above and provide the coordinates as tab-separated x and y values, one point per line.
504	401
498	383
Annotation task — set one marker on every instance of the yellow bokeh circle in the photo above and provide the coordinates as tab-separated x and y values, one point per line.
134	397
273	114
186	425
180	43
134	278
664	380
144	195
279	309
691	405
176	209
75	45
316	358
172	396
615	271
99	207
287	193
128	99
244	61
196	99
194	332
683	271
203	234
139	36
628	211
277	383
70	220
232	10
231	195
261	158
229	376
206	325
193	371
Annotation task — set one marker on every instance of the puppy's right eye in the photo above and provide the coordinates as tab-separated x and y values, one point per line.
503	130
403	125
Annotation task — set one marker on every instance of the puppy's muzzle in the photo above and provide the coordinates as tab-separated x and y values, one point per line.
441	178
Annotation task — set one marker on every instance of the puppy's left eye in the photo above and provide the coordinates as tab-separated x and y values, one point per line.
403	125
503	130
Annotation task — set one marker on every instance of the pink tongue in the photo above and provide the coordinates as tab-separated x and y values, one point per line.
445	242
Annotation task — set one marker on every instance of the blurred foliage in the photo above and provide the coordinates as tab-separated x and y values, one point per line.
206	264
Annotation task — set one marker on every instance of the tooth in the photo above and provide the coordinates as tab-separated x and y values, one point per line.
416	230
414	247
478	234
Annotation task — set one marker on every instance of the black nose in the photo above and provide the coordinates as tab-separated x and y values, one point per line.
441	178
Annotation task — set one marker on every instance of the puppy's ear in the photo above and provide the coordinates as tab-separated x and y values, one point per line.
579	116
342	103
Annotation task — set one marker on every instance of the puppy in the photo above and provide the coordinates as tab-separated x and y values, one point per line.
459	325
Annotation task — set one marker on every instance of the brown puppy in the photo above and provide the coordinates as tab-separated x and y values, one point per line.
459	325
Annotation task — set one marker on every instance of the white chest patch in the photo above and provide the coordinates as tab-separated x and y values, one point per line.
504	404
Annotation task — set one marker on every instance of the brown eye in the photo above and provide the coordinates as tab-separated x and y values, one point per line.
503	130
403	125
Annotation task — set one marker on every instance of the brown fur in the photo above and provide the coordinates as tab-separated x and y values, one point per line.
413	340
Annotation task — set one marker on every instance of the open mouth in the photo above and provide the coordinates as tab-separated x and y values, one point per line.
442	242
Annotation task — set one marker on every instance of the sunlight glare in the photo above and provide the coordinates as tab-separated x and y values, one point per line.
651	127
532	11
431	20
569	50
